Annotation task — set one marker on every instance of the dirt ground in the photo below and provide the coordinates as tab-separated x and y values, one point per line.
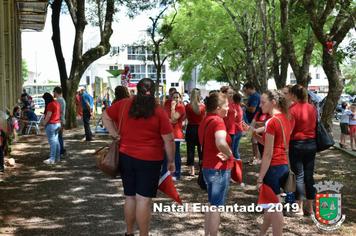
73	197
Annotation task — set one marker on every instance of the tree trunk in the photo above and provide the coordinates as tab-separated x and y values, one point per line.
56	39
336	86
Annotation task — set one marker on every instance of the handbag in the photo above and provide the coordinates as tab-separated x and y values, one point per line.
109	162
201	180
322	137
290	183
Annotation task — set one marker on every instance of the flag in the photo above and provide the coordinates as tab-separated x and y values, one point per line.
166	185
236	171
267	196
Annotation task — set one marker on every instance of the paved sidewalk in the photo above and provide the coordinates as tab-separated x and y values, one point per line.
336	136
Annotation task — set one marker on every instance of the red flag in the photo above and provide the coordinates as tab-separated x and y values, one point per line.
267	196
166	185
236	171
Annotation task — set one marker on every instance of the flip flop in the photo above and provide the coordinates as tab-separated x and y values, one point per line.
295	214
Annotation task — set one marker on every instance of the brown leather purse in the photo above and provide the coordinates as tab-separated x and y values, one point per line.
109	162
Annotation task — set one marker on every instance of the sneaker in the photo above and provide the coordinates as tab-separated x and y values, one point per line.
48	161
2	169
64	155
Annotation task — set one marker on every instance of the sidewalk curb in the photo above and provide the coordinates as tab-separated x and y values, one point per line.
347	151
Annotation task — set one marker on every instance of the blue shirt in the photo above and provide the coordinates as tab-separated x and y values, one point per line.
86	98
31	115
253	101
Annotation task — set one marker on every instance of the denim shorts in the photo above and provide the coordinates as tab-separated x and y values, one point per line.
275	177
139	176
217	182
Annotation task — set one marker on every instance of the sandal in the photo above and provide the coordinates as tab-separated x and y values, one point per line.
295	214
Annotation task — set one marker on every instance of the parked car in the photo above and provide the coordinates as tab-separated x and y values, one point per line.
186	98
39	103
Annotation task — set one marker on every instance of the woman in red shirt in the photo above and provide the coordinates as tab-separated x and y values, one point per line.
303	147
274	166
238	126
144	136
176	116
195	114
217	157
230	118
53	124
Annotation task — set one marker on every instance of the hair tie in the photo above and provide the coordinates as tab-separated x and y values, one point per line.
301	87
148	93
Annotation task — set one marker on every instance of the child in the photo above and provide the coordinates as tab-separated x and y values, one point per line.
344	124
318	109
352	126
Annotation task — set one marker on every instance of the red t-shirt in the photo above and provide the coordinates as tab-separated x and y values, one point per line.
303	121
195	119
141	138
273	127
263	117
177	127
210	160
238	118
168	105
55	108
229	120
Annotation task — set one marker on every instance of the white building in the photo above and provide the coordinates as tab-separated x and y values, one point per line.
122	54
319	82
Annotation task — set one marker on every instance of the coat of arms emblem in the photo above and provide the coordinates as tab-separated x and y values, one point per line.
328	206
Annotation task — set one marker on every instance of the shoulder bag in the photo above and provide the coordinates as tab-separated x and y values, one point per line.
290	184
109	163
322	137
201	181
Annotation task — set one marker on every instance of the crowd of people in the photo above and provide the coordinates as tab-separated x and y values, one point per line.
274	122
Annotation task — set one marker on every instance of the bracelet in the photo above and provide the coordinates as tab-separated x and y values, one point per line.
259	182
117	136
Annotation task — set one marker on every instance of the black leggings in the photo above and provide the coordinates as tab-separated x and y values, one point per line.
302	164
192	139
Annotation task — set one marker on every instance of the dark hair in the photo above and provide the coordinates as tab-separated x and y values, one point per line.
58	90
249	86
144	103
176	93
344	105
172	89
280	99
289	87
15	109
120	93
299	91
224	89
236	97
214	101
48	98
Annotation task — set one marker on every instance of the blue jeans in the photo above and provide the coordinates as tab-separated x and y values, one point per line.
52	131
217	182
235	145
177	162
62	149
275	177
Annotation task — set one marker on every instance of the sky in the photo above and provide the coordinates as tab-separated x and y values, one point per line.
38	51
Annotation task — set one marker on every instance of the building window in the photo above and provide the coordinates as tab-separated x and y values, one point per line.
136	53
174	84
152	73
138	72
114	49
293	79
317	76
113	67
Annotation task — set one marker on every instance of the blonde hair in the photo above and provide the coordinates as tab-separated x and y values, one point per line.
195	101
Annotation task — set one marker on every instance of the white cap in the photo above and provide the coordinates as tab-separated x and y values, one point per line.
80	88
